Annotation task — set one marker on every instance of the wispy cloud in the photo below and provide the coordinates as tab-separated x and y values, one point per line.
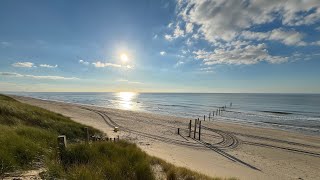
48	66
179	63
83	62
23	64
162	53
5	44
13	74
100	64
127	81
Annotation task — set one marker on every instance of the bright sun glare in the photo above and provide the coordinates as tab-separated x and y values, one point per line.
124	57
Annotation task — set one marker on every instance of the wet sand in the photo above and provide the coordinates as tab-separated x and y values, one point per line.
225	149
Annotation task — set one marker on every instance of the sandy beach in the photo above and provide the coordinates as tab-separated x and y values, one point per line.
225	149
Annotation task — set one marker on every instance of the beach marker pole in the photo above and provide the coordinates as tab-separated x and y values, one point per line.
195	128
86	129
190	128
199	130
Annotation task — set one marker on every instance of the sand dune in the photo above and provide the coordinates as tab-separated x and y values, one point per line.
225	149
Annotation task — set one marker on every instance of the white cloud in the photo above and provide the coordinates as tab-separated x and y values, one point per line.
99	64
177	32
224	20
179	63
48	66
189	27
5	44
287	37
317	43
130	82
12	74
246	54
83	62
168	37
23	64
162	53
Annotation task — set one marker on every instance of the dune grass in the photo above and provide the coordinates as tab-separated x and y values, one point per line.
28	138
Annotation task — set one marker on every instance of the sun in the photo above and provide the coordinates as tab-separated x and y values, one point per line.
124	57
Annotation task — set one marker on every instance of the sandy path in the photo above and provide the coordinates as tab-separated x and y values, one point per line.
225	149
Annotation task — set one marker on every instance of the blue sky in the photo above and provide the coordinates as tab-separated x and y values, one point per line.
171	46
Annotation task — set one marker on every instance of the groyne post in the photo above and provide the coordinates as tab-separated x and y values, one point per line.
204	117
190	128
199	130
179	131
195	128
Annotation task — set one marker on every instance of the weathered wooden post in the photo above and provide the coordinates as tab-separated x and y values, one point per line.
86	129
62	142
217	112
199	130
209	115
204	117
179	131
62	145
195	128
190	128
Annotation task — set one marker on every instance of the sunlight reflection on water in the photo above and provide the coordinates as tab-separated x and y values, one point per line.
127	100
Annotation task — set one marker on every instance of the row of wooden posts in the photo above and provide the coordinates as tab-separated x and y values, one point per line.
197	121
62	139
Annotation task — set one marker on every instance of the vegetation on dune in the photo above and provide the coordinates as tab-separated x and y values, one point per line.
28	139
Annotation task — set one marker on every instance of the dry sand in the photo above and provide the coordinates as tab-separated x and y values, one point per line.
225	149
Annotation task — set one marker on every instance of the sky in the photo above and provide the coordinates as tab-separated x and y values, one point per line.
244	46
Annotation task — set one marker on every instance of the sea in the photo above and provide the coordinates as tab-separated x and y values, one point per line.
292	112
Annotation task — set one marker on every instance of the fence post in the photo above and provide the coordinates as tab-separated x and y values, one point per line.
190	128
62	144
195	128
199	130
86	129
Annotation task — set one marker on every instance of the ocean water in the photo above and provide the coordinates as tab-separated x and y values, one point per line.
294	112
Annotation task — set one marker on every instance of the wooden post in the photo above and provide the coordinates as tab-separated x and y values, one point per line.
209	115
62	142
178	130
195	128
86	129
62	145
204	117
118	138
212	114
199	130
217	112
114	139
190	128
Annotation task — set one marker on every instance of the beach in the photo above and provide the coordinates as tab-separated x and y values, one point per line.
224	150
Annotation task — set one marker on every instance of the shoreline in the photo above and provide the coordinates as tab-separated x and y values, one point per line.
238	150
256	124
